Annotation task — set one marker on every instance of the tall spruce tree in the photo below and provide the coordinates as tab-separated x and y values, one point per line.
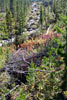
41	15
10	22
63	51
11	7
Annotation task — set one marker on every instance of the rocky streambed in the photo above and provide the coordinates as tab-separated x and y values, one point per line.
32	24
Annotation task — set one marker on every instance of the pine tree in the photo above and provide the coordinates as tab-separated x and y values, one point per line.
21	21
17	10
11	7
41	15
2	5
48	9
63	51
10	22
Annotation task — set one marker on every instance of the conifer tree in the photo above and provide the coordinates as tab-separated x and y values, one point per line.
41	15
21	21
10	22
48	9
17	10
11	7
63	51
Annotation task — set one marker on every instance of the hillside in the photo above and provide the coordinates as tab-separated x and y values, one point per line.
33	50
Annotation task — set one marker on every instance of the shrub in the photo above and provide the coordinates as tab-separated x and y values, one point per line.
22	95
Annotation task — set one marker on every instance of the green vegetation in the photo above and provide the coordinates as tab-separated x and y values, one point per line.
10	23
5	53
33	49
22	96
62	50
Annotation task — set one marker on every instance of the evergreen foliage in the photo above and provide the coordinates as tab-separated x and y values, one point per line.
48	81
62	50
10	22
41	15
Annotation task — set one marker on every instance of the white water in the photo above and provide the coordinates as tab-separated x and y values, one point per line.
7	41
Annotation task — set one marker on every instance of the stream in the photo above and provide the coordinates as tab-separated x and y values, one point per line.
31	24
